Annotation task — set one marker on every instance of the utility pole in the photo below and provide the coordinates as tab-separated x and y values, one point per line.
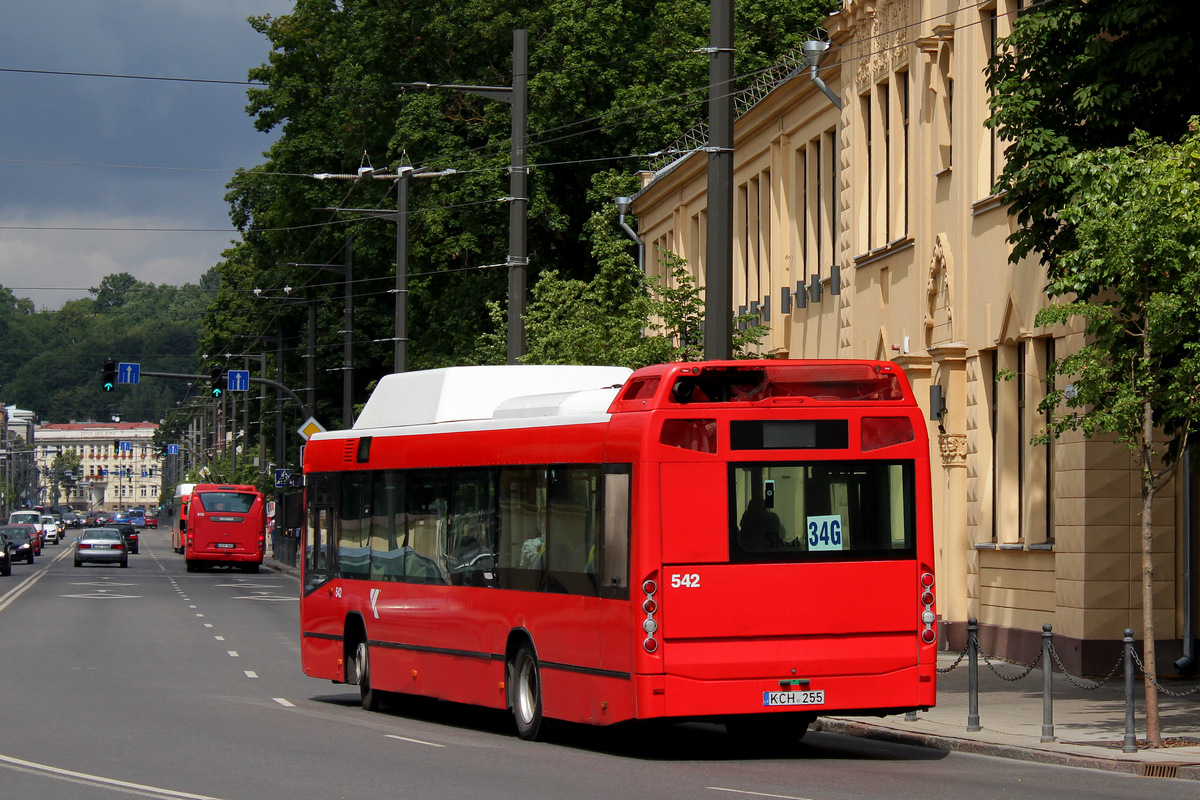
718	289
516	96
347	270
402	177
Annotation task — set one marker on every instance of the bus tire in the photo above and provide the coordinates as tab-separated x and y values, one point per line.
362	665
527	694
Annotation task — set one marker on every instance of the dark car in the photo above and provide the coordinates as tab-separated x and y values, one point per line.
101	546
20	542
96	518
130	535
5	557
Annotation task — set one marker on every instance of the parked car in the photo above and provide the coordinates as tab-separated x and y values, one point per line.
130	535
50	529
20	542
101	546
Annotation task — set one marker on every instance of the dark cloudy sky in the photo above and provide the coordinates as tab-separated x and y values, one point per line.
117	154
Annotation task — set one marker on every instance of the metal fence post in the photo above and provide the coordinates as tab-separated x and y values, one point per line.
1047	686
1130	745
973	675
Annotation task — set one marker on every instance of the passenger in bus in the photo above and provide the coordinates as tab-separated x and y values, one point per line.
760	528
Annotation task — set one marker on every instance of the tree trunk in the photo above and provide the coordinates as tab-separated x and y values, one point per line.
1149	661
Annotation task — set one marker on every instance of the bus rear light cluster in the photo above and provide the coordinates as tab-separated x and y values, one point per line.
650	625
928	618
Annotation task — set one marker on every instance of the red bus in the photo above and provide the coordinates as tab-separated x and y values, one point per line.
177	511
739	541
226	525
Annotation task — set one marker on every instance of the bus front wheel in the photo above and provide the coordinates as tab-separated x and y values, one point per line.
527	694
366	693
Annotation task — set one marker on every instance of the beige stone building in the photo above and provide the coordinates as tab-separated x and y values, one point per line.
119	466
870	230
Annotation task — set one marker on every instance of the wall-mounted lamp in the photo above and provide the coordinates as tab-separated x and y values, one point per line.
814	288
766	308
835	279
801	295
937	403
785	300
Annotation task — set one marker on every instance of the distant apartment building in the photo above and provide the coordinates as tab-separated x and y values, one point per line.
870	230
119	467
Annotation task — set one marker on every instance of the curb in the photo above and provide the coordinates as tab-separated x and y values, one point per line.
1184	771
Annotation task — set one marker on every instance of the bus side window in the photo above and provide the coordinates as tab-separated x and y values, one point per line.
614	560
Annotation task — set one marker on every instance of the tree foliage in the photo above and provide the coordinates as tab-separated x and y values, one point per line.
608	81
1080	75
1133	276
50	361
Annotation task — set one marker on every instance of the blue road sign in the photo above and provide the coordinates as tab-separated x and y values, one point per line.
126	446
129	372
283	478
239	380
172	449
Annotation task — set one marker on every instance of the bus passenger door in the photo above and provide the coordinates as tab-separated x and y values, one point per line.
321	617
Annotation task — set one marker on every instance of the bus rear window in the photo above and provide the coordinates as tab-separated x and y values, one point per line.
816	381
821	510
234	502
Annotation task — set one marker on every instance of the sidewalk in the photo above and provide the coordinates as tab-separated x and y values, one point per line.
1089	725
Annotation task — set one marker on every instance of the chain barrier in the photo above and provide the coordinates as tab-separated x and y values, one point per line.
987	660
1080	683
1137	660
957	661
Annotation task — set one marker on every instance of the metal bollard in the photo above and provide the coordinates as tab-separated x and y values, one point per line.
1130	745
973	675
1047	686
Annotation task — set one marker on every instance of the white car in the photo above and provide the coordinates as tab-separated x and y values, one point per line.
50	527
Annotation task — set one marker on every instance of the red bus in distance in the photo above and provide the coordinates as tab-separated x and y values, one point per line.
177	511
741	541
226	526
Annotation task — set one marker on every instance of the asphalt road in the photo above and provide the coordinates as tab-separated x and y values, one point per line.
155	682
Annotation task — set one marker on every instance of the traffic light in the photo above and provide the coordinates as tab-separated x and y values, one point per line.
110	374
219	381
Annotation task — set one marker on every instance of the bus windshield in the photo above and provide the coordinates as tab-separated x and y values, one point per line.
820	511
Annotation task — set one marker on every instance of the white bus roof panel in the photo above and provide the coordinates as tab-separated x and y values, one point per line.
474	393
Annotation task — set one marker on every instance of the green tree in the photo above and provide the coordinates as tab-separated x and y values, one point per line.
1132	275
1079	75
608	81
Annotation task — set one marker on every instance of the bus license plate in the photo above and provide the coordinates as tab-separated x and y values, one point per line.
816	698
226	545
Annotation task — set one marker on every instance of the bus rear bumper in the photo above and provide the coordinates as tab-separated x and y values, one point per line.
856	695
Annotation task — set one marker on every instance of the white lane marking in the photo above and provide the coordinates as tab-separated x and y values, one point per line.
755	794
97	780
200	615
232	653
251	673
283	702
208	624
219	638
414	741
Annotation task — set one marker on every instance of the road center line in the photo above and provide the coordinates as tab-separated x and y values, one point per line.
414	741
755	794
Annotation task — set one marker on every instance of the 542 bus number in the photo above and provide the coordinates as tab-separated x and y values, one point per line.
685	580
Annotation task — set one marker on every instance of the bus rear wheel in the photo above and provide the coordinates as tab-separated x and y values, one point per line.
527	694
362	665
